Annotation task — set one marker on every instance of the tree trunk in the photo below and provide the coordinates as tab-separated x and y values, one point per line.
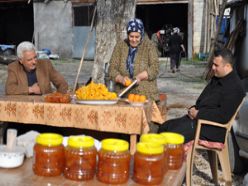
112	17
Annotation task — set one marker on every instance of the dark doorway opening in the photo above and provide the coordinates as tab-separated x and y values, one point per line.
16	22
157	16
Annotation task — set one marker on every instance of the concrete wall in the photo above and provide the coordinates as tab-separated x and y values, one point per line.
198	30
53	27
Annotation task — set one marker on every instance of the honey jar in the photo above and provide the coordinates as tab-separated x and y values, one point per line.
113	161
149	163
48	155
80	158
175	149
160	139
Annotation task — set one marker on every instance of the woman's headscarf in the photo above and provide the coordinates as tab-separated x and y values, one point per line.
134	25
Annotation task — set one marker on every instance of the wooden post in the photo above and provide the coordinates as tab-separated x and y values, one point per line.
84	50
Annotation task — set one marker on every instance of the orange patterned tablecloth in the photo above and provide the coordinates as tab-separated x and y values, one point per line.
120	118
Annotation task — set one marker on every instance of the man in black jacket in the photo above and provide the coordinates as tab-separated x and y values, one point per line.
218	102
176	46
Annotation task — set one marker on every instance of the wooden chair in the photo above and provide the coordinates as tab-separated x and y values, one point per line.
214	149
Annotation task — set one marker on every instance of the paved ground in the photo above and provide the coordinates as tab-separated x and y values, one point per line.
182	89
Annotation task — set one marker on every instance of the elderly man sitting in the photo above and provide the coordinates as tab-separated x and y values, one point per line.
29	75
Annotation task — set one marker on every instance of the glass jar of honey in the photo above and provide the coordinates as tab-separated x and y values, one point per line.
80	158
48	155
160	139
175	149
113	161
149	163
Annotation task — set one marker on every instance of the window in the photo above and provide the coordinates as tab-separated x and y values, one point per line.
83	15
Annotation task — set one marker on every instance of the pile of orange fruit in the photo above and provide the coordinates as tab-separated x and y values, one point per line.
95	91
136	98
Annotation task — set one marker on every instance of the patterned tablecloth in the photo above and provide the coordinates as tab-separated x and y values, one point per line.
120	117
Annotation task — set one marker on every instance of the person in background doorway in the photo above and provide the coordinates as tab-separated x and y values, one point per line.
176	47
158	40
30	76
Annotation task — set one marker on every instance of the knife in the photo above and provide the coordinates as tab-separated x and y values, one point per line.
127	88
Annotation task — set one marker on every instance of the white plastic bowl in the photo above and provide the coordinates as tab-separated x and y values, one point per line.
11	158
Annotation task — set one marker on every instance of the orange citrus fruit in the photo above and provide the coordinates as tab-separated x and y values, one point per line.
136	98
128	82
130	97
142	98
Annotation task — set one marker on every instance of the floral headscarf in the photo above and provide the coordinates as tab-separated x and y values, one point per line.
136	25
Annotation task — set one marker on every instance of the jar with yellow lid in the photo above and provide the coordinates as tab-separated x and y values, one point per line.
80	158
48	155
160	139
113	161
149	163
175	149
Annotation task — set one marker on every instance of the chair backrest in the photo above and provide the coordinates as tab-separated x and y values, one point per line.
230	123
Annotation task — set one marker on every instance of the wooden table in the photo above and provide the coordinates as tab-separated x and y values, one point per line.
119	118
24	176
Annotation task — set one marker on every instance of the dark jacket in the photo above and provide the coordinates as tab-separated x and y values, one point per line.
175	43
17	81
218	102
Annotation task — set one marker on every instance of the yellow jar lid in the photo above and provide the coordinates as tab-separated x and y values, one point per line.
150	148
115	145
153	138
80	141
49	139
173	138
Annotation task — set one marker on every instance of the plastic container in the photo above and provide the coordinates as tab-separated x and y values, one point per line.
175	149
149	163
113	161
80	158
11	158
48	155
160	139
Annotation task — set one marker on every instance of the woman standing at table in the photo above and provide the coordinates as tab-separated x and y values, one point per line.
135	58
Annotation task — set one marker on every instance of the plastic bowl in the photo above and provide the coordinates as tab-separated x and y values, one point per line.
11	158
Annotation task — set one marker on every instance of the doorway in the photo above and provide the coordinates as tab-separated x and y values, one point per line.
158	16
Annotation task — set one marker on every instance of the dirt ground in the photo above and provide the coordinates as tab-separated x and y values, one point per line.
182	89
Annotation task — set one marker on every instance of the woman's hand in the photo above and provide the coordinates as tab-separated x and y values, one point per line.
142	76
121	79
